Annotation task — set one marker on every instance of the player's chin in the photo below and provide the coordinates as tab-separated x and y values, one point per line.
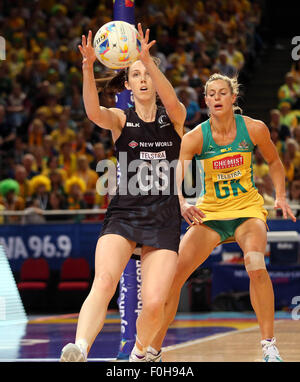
145	95
219	111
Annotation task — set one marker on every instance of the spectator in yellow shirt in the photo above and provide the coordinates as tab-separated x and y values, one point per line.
62	133
51	110
290	90
74	189
234	56
287	117
84	172
67	159
260	167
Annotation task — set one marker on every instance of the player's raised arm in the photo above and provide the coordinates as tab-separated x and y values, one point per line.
167	94
101	116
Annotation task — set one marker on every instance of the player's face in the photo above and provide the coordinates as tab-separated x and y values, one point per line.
219	98
140	82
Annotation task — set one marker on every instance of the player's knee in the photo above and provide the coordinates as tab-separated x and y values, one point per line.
254	261
154	307
104	281
255	266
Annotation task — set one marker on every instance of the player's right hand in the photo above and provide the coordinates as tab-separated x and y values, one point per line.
191	214
87	51
145	44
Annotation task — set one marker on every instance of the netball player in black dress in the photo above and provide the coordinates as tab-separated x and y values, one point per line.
145	208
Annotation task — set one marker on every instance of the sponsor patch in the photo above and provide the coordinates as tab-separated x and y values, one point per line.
133	144
145	155
228	176
226	150
243	145
228	162
163	121
132	124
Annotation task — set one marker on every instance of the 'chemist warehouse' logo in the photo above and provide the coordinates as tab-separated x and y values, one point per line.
228	162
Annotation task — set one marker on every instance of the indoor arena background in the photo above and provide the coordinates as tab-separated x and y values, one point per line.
47	144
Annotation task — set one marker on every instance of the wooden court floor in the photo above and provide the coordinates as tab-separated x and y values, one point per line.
193	337
238	346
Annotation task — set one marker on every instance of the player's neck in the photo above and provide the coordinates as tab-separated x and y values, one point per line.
222	124
146	112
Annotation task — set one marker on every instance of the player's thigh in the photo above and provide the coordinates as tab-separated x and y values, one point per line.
251	235
195	247
112	255
158	267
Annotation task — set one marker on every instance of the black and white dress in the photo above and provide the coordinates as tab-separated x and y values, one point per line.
146	208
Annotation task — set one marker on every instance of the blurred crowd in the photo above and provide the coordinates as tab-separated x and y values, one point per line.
284	125
49	150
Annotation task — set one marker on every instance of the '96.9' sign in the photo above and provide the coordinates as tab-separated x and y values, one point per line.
48	246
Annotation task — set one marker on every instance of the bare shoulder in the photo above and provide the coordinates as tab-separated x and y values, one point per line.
119	113
254	123
257	129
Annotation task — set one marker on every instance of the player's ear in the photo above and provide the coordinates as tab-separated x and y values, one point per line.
126	84
233	98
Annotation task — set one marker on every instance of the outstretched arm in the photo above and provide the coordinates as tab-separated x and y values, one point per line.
101	116
174	107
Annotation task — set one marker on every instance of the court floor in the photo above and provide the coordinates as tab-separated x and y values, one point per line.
197	337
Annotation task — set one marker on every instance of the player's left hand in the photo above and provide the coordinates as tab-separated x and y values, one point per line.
145	44
282	204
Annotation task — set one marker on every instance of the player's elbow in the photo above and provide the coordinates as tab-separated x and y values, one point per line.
175	109
276	166
94	116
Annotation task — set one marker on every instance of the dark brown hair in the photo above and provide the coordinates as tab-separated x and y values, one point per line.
117	82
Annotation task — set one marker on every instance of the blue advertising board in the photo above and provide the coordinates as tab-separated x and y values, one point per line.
234	278
56	242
